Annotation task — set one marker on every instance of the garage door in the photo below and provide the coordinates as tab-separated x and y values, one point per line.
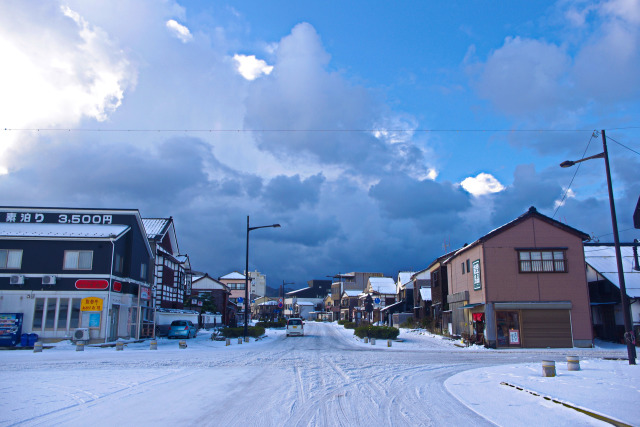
546	328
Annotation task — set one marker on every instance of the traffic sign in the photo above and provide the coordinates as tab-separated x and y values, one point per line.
377	300
240	299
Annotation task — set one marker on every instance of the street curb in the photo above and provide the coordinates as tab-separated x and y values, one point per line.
568	405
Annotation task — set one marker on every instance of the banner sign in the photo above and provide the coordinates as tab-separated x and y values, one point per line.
476	275
95	284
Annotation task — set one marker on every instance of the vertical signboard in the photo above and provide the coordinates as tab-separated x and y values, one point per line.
476	275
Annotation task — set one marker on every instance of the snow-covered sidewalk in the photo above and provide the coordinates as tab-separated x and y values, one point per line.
513	394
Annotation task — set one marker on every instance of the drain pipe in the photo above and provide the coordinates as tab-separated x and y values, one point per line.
108	320
636	267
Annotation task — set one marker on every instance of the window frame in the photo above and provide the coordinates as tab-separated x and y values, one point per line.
77	267
545	257
6	265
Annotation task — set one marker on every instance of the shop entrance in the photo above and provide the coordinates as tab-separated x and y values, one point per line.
508	328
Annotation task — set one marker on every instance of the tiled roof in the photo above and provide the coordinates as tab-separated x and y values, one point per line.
155	227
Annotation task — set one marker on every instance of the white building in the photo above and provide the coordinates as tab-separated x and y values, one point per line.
258	283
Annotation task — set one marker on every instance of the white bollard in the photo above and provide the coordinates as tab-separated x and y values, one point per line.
548	368
373	341
79	346
153	345
119	346
239	340
366	340
228	341
37	347
246	339
388	343
182	344
573	363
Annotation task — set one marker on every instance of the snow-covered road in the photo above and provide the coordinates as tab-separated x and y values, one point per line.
325	378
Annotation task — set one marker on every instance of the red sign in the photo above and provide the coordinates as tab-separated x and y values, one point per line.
95	284
117	286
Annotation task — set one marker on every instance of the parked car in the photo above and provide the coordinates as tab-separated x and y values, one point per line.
295	326
182	329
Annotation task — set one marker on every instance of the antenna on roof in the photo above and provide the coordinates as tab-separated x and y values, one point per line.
445	245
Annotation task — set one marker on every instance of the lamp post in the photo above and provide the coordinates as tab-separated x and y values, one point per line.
616	239
246	276
283	295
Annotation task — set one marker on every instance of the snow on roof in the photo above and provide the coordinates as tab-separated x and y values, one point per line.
269	303
234	275
383	285
304	303
425	294
352	293
404	277
297	290
603	260
154	226
62	230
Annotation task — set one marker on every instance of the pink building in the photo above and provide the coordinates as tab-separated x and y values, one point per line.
522	285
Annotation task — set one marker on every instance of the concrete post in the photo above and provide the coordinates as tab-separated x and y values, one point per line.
37	347
548	368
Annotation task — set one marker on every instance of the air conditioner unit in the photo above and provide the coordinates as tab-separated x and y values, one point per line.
48	280
17	279
81	334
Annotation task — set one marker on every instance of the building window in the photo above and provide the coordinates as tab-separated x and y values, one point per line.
462	264
63	311
119	267
38	312
542	261
143	271
11	258
468	266
78	260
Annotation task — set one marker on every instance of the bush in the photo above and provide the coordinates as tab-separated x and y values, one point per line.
409	323
342	321
281	323
252	331
379	332
349	325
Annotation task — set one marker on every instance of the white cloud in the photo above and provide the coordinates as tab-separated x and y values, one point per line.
561	202
482	184
180	31
250	67
57	70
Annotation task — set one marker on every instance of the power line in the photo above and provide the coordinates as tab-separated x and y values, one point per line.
301	130
622	145
573	177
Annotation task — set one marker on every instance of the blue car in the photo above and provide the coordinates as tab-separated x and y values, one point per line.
182	329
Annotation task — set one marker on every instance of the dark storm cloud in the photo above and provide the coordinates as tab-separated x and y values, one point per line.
401	196
529	188
284	193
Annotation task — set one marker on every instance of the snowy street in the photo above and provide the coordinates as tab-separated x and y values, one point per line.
325	378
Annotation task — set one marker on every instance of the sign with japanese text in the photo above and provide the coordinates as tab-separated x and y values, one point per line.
145	292
117	286
477	285
91	304
514	337
49	218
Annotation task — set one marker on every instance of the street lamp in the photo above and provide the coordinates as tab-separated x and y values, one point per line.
246	276
628	336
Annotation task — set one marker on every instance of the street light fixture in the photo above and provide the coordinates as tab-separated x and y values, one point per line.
628	335
246	276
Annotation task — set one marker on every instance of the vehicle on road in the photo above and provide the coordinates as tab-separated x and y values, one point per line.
182	329
295	326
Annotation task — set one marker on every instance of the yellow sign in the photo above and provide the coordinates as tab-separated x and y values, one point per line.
91	304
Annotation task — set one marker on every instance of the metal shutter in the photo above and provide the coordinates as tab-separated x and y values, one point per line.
546	328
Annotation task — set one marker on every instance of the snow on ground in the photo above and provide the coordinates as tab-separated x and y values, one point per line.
287	379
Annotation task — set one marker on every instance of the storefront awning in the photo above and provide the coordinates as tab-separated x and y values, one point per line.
471	305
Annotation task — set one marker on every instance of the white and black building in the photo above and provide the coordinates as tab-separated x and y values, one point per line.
74	273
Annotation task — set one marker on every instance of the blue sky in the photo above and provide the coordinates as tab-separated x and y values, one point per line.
374	132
